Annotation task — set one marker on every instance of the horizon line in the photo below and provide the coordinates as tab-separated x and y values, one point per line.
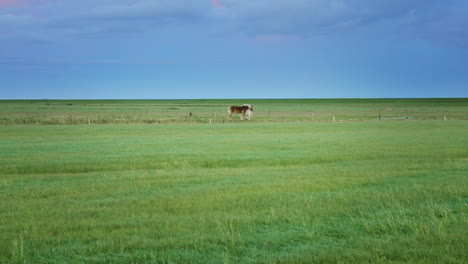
283	98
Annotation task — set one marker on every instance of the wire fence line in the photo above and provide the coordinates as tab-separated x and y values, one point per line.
216	117
214	111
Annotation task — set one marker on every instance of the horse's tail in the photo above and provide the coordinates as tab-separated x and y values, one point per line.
229	115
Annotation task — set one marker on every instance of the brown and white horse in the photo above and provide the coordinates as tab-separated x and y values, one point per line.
245	110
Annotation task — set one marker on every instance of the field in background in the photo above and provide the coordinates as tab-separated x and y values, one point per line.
50	112
282	188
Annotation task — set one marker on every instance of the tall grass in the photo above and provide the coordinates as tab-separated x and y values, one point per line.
235	193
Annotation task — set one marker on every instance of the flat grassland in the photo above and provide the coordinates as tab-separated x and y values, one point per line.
89	112
144	182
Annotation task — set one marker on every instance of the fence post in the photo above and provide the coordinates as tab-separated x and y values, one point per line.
445	118
313	116
334	118
210	121
379	117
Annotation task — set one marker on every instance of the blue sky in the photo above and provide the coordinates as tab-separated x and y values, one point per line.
171	49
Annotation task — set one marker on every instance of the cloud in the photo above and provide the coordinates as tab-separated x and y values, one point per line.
442	21
447	23
59	19
310	17
10	3
62	19
261	19
217	3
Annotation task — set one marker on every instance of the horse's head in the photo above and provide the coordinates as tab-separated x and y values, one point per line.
248	106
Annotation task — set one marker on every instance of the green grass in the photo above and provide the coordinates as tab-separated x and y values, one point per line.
240	192
70	112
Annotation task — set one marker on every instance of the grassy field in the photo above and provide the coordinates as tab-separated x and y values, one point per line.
69	112
159	186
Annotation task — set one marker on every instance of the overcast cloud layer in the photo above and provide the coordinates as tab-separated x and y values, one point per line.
44	34
35	19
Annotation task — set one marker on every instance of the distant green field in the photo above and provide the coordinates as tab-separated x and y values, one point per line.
143	182
59	112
